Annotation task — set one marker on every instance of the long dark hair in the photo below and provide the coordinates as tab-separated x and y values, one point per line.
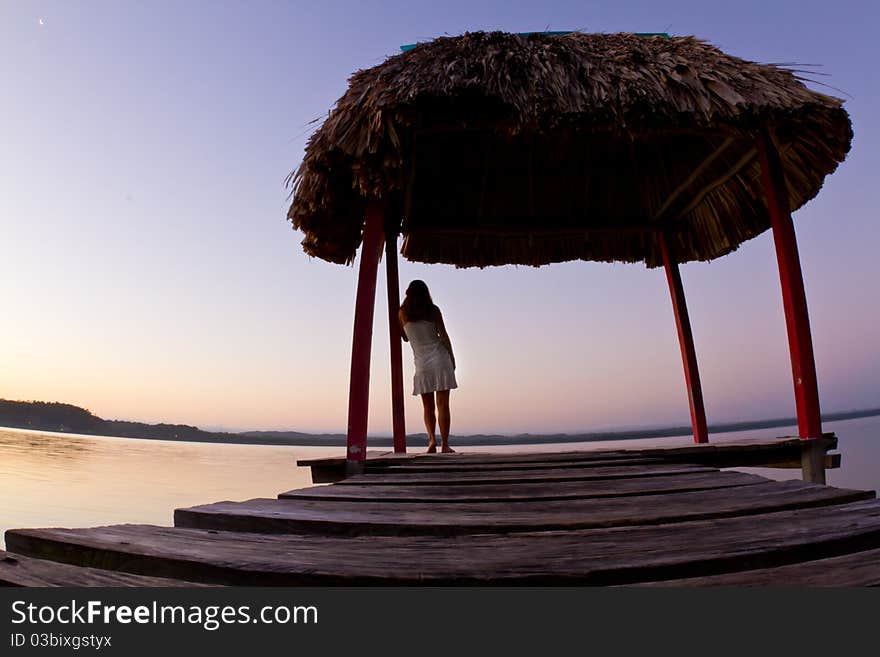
417	305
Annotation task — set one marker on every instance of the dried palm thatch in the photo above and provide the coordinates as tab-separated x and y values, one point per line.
496	148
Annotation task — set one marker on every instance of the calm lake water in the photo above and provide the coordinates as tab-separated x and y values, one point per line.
66	480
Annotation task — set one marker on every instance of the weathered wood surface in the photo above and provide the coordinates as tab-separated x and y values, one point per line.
830	461
18	570
456	460
855	569
611	517
559	474
454	518
619	555
497	467
779	452
528	490
373	456
724	454
510	457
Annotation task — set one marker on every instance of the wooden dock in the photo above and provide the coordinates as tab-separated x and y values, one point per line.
643	517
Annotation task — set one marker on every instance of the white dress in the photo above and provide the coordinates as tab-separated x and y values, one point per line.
434	370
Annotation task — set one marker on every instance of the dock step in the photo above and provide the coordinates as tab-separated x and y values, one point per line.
442	467
18	570
778	452
340	517
620	555
566	473
849	570
527	490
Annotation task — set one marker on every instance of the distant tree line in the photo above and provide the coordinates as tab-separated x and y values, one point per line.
67	418
55	416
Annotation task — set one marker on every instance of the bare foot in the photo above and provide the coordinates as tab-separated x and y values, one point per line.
447	450
432	449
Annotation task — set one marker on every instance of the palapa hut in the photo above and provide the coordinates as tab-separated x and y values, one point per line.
495	148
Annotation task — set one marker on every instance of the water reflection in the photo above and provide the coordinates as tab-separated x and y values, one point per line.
41	446
51	480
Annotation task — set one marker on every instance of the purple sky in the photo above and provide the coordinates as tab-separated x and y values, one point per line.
148	271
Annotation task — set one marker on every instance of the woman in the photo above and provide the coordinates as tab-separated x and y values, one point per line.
422	326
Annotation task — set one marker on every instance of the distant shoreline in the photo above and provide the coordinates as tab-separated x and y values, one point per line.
184	433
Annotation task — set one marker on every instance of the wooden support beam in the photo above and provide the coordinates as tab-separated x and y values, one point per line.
744	161
794	299
531	175
561	232
830	462
359	386
740	164
686	341
813	463
691	179
490	127
393	285
484	175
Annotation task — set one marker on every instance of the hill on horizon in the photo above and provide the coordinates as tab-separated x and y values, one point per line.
67	418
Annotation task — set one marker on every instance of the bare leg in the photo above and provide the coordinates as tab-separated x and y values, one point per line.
430	420
444	420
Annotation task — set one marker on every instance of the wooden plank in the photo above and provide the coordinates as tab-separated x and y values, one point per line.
382	459
855	569
791	446
328	474
495	467
563	490
373	455
329	470
456	461
18	570
831	461
716	452
276	516
512	476
582	557
479	458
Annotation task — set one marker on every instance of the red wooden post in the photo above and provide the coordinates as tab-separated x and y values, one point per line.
794	299
686	340
391	278
359	387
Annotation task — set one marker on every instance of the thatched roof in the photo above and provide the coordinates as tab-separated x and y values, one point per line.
495	148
